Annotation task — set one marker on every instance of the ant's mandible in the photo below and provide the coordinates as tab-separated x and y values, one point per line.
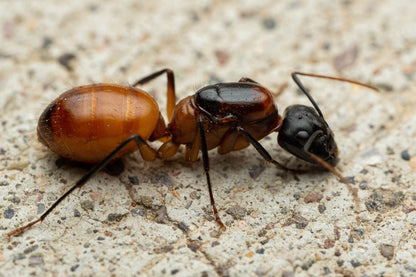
101	122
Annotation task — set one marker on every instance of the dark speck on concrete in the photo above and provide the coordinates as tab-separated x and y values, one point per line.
161	217
329	243
87	205
405	155
134	180
363	185
255	171
351	179
138	211
66	60
237	212
195	195
174	271
380	200
194	245
410	268
321	208
384	86
327	270
73	268
47	41
183	227
9	213
313	197
162	178
263	242
77	213
215	243
298	220
30	249
387	251
41	208
355	263
115	217
15	200
20	256
308	264
371	206
269	23
36	260
260	251
395	199
262	233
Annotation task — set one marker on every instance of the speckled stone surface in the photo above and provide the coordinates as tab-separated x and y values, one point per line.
154	219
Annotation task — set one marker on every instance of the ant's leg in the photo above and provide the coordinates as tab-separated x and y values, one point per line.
170	106
262	151
206	168
140	143
192	150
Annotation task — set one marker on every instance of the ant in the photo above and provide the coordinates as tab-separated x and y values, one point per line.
99	123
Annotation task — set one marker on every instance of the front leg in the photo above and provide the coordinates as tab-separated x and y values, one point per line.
206	168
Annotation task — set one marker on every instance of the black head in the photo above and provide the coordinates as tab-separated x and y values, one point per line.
304	131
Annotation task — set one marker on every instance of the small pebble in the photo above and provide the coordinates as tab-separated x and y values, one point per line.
30	249
9	213
134	180
387	251
313	197
269	23
36	260
405	155
41	208
307	265
77	213
19	256
87	205
355	263
321	208
115	217
363	185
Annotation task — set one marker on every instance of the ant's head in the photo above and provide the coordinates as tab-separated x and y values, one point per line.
304	131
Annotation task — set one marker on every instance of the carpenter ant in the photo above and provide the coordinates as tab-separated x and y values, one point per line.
101	122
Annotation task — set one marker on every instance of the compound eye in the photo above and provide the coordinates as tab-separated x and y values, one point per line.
302	135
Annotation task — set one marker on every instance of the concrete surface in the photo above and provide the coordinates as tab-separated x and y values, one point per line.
278	225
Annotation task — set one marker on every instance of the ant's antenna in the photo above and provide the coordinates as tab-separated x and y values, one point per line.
305	91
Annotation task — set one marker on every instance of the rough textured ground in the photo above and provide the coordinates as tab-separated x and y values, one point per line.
278	224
